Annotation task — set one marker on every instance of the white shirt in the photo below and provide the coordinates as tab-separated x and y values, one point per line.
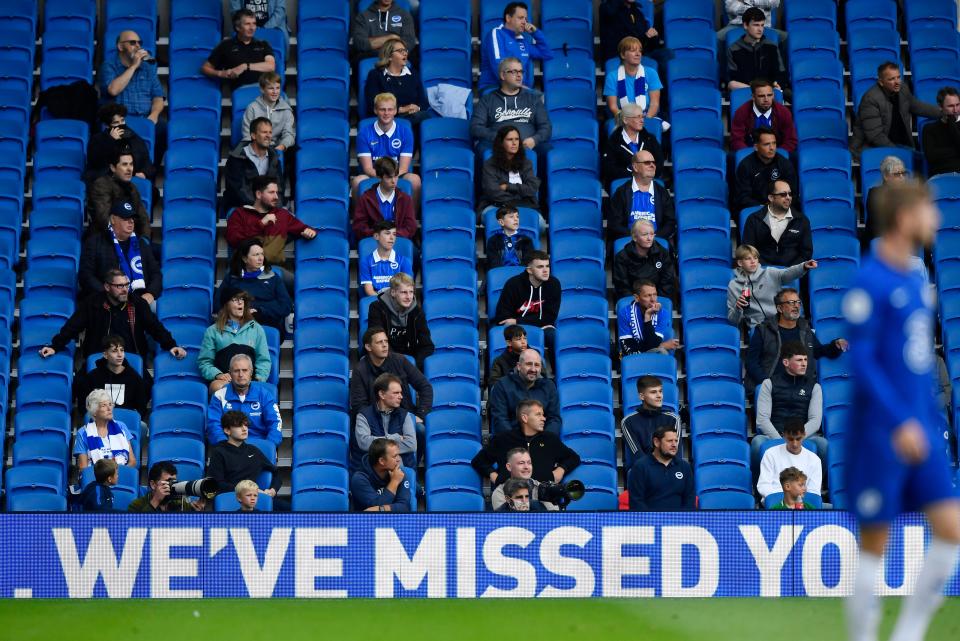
777	225
777	458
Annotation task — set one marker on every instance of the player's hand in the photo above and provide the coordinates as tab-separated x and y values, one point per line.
910	442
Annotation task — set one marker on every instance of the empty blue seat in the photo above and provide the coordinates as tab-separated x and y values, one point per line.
600	483
691	41
870	13
320	489
456	190
452	367
569	72
585	394
177	422
452	424
320	451
569	131
449	337
451	451
878	41
36	503
42	450
810	42
326	393
455	394
453	488
934	42
588	423
17	46
721	451
185	453
723	477
322	424
568	101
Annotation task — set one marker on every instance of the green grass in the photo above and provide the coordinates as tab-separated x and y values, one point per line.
450	620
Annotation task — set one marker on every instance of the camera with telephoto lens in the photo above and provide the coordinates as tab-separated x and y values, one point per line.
561	494
205	487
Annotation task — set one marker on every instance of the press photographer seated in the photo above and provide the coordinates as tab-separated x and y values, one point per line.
518	499
161	498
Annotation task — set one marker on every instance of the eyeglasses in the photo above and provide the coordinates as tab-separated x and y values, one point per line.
792	303
518	72
131	42
400	50
120	285
783	194
899	174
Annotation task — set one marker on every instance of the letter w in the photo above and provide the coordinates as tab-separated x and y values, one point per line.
100	559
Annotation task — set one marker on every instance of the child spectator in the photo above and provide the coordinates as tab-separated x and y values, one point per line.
247	494
378	268
507	246
98	496
113	373
794	484
385	137
384	201
235	460
753	288
506	362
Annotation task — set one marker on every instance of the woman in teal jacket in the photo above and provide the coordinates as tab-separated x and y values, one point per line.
234	332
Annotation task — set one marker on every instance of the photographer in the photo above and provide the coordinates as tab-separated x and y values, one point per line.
518	498
162	476
115	137
520	466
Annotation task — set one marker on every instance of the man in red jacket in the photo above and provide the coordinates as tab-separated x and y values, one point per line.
762	111
384	201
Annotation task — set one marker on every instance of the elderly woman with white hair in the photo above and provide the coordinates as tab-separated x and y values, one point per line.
627	139
103	437
892	171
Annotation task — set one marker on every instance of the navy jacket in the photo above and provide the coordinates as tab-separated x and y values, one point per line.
369	489
655	487
97	497
510	390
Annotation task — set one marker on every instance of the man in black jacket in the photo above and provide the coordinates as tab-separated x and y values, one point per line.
249	160
115	137
625	141
644	259
380	360
235	460
781	234
759	169
642	199
117	186
552	460
753	55
941	139
112	311
531	298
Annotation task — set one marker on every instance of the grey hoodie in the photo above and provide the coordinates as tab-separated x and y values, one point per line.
374	23
764	284
525	111
280	116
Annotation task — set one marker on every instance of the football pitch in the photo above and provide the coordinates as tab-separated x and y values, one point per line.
451	620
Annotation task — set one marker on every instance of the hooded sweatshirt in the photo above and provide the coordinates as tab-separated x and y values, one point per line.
528	304
374	23
368	489
764	284
406	328
127	389
524	110
280	116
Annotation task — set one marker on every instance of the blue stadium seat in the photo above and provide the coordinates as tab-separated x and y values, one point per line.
713	365
821	132
568	101
205	14
452	131
689	15
180	395
579	337
321	338
870	13
319	488
496	278
29	480
42	450
930	75
20	14
456	191
587	394
320	424
323	14
715	394
452	424
873	41
817	76
921	15
713	478
600	482
811	42
242	96
438	13
18	46
320	451
817	163
820	14
36	503
573	366
721	451
452	367
578	309
663	366
936	42
450	295
67	46
178	422
137	15
41	317
726	500
325	393
569	132
42	422
457	338
456	395
453	488
451	451
569	72
590	422
186	453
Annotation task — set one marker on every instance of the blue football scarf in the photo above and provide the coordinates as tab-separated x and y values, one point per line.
114	446
639	87
131	264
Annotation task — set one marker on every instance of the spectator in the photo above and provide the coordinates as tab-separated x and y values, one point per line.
247	493
119	247
551	458
114	138
662	481
257	401
162	475
638	428
627	140
790	454
532	297
233	460
98	496
793	484
757	170
643	259
644	325
884	115
113	374
788	325
380	485
762	111
379	360
247	162
520	467
384	201
892	171
385	138
735	10
754	56
642	199
524	382
103	437
508	177
234	332
516	338
517	498
271	105
511	104
108	312
508	247
396	311
377	268
751	291
243	58
941	139
514	38
249	272
392	75
632	83
622	18
385	418
270	14
116	187
782	235
382	22
789	393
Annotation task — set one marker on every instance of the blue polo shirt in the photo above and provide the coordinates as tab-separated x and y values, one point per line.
139	92
378	271
374	142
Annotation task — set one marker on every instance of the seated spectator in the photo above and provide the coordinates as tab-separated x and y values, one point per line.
517	498
622	18
392	75
247	493
516	339
762	111
384	201
789	393
793	454
377	360
735	10
385	138
532	297
754	56
632	83
271	105
508	247
511	104
884	115
642	199
270	14
639	427
520	467
793	484
103	437
114	138
757	170
892	171
257	401
233	460
643	259
249	161
112	189
380	484
240	59
382	22
941	139
108	312
653	489
119	247
234	332
644	325
551	458
161	476
396	311
113	373
250	273
781	234
514	38
787	325
376	269
523	383
507	176
384	419
753	288
627	140
98	496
